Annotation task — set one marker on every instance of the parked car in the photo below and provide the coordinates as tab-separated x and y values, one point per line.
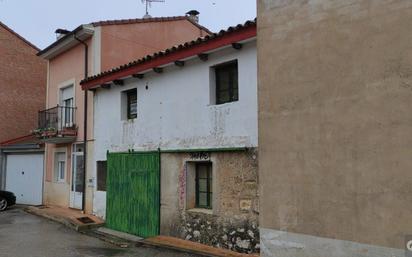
7	199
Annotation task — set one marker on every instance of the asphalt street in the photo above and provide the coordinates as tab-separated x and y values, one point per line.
26	235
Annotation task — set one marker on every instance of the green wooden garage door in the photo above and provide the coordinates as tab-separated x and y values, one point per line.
133	193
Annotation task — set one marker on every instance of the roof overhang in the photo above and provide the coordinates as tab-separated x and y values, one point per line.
67	42
28	142
242	35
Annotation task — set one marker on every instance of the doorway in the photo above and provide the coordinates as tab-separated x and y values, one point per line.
133	193
24	177
76	189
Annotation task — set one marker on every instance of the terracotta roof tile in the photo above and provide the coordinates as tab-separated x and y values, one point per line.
143	20
172	49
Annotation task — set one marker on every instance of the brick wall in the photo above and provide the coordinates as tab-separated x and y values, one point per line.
22	86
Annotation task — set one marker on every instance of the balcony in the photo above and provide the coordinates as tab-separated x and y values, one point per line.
57	125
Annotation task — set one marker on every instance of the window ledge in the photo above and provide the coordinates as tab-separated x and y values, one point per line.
200	210
223	104
128	121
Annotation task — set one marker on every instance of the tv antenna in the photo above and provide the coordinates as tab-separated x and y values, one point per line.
149	4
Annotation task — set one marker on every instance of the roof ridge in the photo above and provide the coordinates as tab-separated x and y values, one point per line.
152	19
136	20
19	36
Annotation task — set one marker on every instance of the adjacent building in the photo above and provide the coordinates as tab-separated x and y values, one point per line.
175	142
88	50
22	93
335	127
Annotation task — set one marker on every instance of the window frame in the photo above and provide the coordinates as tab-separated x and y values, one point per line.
232	67
60	168
68	112
209	185
98	185
61	171
130	94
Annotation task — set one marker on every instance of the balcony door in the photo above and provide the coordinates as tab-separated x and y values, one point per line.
67	105
76	189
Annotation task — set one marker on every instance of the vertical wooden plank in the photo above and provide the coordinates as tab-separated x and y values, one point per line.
133	195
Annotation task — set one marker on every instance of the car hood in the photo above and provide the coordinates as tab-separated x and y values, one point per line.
6	193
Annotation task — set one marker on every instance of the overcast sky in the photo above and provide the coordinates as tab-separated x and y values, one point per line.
37	20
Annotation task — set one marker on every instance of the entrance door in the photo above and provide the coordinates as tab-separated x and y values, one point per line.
133	193
76	189
24	177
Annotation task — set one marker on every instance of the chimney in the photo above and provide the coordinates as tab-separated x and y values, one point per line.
61	33
193	15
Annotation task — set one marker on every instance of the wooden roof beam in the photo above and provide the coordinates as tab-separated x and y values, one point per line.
138	75
237	46
118	82
203	57
179	63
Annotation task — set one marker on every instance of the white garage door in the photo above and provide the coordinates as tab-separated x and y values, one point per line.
24	177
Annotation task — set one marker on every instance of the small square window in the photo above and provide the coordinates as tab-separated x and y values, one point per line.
101	175
227	88
131	103
204	192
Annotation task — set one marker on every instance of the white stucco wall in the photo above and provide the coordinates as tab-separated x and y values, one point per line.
175	111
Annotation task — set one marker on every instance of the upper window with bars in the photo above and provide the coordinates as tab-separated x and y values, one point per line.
227	88
129	104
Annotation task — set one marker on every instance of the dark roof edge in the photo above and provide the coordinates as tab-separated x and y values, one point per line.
19	36
41	52
198	25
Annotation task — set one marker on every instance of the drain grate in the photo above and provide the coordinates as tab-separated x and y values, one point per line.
85	220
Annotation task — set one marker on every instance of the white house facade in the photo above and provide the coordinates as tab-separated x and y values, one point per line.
193	121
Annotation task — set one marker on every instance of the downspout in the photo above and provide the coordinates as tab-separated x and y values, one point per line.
86	65
160	188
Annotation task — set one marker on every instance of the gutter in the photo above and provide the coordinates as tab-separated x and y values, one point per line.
67	42
86	66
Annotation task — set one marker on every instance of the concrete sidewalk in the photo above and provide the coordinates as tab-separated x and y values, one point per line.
93	227
74	219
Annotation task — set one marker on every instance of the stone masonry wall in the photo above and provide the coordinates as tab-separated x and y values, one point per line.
233	221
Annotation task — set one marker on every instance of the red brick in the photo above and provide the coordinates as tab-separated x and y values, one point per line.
22	85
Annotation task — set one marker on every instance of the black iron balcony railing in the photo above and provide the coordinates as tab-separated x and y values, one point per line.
58	121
